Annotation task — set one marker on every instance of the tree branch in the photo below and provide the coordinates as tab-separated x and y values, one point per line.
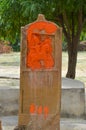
60	19
80	23
66	22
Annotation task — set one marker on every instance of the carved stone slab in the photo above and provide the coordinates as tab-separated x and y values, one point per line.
40	75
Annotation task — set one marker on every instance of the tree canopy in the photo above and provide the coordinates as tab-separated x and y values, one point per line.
69	14
16	13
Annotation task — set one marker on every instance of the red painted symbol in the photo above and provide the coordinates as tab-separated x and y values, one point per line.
32	108
46	111
39	110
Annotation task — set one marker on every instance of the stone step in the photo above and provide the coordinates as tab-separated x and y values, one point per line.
9	123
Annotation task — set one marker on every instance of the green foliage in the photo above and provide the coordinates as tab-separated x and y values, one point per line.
17	13
64	44
16	46
10	22
83	36
69	14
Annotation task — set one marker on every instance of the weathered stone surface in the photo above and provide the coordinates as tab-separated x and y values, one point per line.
40	74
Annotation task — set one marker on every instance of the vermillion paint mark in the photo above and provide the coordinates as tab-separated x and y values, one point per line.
46	111
39	110
39	53
32	109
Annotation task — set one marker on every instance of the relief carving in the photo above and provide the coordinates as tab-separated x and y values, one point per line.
39	44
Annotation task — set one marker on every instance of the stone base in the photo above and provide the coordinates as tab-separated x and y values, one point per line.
38	122
9	123
73	98
66	124
20	127
9	101
72	102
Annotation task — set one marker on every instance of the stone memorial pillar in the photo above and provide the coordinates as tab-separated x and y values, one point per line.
40	76
0	126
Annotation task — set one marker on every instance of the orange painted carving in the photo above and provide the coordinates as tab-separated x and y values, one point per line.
39	54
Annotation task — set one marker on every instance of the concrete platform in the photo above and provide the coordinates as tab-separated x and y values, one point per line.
9	123
9	101
72	103
73	98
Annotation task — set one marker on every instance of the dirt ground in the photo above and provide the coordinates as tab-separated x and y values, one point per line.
10	66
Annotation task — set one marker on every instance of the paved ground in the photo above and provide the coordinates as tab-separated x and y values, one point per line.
9	123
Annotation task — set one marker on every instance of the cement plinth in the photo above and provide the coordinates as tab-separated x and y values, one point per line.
72	104
9	123
73	98
9	100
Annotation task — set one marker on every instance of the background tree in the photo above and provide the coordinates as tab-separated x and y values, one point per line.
11	21
69	14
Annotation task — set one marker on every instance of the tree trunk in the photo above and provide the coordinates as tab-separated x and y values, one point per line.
73	40
72	33
72	58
